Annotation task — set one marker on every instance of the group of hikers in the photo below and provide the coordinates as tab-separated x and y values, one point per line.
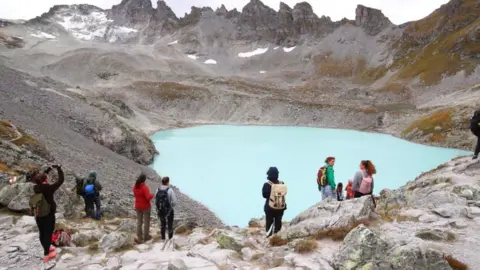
43	206
274	191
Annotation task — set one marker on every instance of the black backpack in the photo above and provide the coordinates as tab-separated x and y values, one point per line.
162	202
475	123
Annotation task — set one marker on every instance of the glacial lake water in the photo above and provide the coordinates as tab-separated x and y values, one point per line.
224	167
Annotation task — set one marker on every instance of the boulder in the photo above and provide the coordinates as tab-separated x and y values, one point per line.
8	193
364	248
86	238
435	235
177	264
249	254
329	214
226	241
115	241
128	225
27	223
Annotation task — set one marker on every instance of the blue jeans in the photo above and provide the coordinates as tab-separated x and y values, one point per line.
93	206
327	192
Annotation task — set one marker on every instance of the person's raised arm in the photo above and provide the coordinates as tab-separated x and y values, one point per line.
61	178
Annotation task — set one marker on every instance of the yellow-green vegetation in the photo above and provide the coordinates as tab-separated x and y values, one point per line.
394	87
434	125
7	131
183	230
305	246
170	90
356	68
277	241
454	47
455	264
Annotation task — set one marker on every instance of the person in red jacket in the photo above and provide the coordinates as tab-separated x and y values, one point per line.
142	205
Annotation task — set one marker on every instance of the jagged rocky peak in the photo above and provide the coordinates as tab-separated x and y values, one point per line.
132	12
258	21
164	12
371	20
222	11
304	17
194	16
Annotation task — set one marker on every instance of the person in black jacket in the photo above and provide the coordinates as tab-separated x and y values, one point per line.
475	128
272	216
46	224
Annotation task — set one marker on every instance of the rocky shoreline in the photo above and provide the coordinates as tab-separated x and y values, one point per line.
429	223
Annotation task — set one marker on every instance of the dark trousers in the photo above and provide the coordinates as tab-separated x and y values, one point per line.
273	217
93	206
46	226
477	149
166	222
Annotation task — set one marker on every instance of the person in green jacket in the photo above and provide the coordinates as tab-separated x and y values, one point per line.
328	190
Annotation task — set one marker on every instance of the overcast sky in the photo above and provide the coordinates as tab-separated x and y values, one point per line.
399	11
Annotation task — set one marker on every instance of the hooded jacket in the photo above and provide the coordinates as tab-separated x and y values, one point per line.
142	197
272	175
49	189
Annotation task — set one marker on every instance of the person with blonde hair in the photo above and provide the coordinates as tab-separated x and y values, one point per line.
363	179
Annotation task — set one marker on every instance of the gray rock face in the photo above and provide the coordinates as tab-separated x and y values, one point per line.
132	12
116	241
366	249
371	20
177	264
328	215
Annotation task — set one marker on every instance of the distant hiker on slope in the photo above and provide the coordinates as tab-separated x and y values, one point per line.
363	179
165	201
274	192
326	179
142	205
475	128
43	207
91	193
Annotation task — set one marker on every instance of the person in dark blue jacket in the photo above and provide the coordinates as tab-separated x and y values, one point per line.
272	216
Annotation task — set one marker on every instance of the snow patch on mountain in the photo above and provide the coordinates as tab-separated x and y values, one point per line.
263	71
192	56
210	62
173	42
253	53
85	27
43	35
119	33
276	48
289	49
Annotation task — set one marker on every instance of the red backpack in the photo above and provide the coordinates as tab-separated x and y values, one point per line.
61	238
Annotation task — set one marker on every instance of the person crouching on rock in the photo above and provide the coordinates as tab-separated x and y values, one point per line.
142	206
339	192
165	201
349	191
43	208
363	179
274	192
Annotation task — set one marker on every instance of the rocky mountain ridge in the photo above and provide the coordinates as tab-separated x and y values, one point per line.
256	22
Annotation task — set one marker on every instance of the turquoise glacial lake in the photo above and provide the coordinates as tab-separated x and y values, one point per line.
224	167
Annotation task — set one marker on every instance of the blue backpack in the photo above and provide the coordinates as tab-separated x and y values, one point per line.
89	189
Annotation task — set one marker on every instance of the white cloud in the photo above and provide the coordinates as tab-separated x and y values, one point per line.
399	11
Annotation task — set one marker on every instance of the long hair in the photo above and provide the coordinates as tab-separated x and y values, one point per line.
369	167
329	159
140	180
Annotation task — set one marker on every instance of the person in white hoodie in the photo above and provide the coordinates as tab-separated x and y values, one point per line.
165	200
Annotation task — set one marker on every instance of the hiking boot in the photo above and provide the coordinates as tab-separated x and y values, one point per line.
475	156
138	241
